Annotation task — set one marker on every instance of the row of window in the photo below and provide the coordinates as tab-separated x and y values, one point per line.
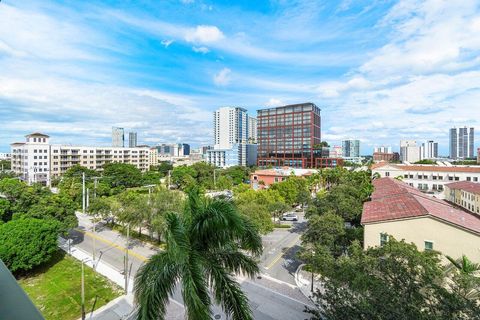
427	244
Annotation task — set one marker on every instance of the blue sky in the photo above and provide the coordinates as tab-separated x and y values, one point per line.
381	71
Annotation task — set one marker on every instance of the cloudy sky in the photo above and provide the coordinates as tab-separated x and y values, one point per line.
379	70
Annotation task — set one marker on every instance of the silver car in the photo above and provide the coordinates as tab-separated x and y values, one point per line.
290	217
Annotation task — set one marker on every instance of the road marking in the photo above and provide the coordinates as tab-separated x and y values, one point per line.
280	294
114	245
281	253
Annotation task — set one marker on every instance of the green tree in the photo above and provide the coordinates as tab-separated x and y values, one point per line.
224	183
162	202
5	210
206	246
5	165
325	230
100	207
163	168
133	209
394	281
466	277
182	175
27	243
54	206
258	214
122	175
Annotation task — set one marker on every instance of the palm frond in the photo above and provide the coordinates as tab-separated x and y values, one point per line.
250	239
235	261
176	236
195	289
228	293
154	283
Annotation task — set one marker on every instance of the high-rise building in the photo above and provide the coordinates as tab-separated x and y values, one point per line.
252	130
230	126
462	141
287	136
351	148
132	139
409	151
231	137
429	150
118	137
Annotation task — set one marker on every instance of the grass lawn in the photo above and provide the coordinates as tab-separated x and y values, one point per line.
55	288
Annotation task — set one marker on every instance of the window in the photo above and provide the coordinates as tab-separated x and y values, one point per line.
383	238
428	245
387	174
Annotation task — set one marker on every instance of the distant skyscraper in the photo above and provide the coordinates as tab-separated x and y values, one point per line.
382	149
118	137
252	130
462	142
429	150
230	136
351	148
409	151
132	139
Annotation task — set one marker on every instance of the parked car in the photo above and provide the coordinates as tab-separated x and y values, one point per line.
290	217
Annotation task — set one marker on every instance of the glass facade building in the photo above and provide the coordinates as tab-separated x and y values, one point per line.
287	136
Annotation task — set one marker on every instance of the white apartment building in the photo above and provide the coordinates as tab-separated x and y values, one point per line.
252	130
232	135
409	152
5	156
427	178
429	150
118	137
38	161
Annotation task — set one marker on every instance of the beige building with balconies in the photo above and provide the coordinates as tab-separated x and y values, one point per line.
36	160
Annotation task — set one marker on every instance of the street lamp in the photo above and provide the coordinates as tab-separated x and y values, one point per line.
311	266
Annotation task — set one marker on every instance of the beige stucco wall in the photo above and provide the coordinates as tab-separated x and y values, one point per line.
446	238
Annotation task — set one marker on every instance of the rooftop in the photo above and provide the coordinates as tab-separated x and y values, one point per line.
428	167
37	134
468	186
394	200
285	172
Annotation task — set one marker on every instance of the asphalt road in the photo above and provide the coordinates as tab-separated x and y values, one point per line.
272	296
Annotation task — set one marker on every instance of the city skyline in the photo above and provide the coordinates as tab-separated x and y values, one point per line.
379	73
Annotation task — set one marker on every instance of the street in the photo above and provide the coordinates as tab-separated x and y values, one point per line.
273	294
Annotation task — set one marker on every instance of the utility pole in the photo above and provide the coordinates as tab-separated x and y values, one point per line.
169	177
83	292
83	192
95	187
126	260
214	179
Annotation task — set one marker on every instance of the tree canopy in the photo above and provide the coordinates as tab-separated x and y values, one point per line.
27	243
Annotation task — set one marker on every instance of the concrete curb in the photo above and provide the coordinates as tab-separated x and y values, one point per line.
303	286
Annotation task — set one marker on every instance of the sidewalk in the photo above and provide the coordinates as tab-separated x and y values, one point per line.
303	279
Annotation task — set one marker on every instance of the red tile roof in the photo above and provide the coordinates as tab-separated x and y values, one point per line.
394	199
405	167
468	186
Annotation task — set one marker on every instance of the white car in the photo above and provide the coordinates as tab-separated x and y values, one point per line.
290	217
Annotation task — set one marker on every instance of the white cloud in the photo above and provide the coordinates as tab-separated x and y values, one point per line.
223	77
274	102
166	43
204	34
187	1
203	50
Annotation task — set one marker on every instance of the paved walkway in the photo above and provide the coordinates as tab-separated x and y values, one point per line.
303	280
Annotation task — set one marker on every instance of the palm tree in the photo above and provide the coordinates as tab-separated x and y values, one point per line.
206	245
469	276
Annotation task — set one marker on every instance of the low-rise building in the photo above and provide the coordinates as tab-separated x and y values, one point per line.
5	156
38	161
465	194
384	156
396	209
262	179
427	178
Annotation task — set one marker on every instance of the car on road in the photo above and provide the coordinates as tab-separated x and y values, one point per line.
290	217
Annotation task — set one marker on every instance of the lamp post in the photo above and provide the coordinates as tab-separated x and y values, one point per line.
311	266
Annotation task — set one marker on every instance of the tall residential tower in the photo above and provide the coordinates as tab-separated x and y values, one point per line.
462	142
118	137
132	139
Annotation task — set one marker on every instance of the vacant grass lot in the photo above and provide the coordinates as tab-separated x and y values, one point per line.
55	288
